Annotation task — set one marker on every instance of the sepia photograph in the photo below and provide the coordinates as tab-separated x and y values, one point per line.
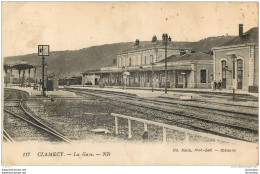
130	83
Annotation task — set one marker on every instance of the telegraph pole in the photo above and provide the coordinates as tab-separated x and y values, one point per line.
165	42
43	50
43	92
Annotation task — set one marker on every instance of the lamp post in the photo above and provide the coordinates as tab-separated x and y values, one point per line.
43	50
165	40
46	76
234	59
43	88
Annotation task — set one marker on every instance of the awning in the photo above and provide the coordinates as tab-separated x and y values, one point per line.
183	68
147	68
22	66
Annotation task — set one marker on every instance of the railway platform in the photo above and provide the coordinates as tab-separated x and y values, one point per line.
140	93
224	96
196	90
32	92
180	90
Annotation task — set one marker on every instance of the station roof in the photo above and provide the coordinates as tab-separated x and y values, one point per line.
22	66
188	57
251	36
7	66
95	71
151	45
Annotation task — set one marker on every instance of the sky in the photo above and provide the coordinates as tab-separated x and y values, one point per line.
77	25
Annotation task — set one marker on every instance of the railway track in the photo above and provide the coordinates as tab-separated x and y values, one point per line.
227	114
180	119
214	103
184	104
17	113
220	96
193	104
229	96
7	137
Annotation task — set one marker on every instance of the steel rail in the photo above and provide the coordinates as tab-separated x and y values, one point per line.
190	105
38	126
188	115
7	136
38	123
192	126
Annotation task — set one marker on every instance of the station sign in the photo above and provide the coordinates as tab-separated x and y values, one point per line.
43	50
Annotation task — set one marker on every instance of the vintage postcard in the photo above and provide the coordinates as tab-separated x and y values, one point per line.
130	83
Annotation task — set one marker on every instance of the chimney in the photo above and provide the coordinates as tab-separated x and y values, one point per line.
240	30
137	42
154	39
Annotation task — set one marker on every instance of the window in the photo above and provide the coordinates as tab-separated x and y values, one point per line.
239	74
234	70
203	76
148	77
130	61
119	62
137	61
123	62
144	60
148	61
180	78
151	59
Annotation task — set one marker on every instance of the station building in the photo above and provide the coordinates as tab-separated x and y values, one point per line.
144	66
236	62
74	80
91	77
190	70
147	53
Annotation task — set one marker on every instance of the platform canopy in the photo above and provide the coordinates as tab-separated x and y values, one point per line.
23	66
6	67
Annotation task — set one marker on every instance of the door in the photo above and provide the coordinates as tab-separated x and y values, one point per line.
239	74
203	76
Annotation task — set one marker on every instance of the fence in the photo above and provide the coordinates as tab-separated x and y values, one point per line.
165	127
